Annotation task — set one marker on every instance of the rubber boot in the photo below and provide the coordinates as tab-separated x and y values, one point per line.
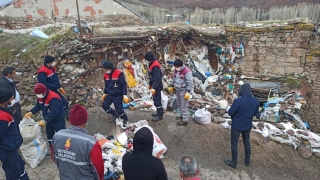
154	114
157	118
114	117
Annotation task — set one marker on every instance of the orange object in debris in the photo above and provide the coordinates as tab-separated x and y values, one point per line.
103	141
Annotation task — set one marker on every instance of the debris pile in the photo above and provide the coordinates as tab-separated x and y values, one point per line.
213	61
115	147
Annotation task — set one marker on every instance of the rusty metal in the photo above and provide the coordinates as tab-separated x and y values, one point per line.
213	60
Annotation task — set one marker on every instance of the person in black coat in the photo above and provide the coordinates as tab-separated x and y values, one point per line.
140	164
6	81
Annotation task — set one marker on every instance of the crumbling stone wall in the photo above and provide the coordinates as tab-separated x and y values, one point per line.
281	51
274	51
110	20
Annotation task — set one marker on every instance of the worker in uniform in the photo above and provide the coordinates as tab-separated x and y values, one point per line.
10	139
183	84
77	154
48	76
52	111
155	84
115	92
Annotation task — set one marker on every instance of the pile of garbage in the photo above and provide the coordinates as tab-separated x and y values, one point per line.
115	147
215	64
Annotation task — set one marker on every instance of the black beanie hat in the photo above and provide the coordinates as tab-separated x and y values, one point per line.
178	62
48	59
149	56
107	65
5	95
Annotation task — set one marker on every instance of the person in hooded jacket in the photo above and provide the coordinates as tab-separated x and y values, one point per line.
155	84
10	140
242	112
140	164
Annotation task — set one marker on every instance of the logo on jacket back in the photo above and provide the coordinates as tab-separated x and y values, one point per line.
68	144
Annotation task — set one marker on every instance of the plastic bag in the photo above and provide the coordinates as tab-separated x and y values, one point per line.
38	33
164	101
202	116
158	147
34	147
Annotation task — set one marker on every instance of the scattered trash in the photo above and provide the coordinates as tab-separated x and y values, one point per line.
38	33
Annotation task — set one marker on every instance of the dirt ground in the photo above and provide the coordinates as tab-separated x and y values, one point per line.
209	144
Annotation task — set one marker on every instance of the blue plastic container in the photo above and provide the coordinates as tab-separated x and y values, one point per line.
208	74
170	62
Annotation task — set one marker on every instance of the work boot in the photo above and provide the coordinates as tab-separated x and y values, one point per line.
125	124
157	118
181	123
179	118
114	117
247	163
154	114
230	163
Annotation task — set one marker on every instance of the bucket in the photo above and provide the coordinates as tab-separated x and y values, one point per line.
207	73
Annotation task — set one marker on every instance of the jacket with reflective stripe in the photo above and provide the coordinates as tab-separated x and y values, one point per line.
49	77
10	137
51	106
72	148
115	83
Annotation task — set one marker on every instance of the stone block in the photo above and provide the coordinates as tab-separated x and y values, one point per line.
263	38
268	44
293	60
3	22
290	70
271	58
279	70
254	38
250	43
281	45
291	45
297	52
263	51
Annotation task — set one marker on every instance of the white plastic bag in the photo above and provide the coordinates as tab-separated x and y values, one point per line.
202	116
158	147
34	147
164	101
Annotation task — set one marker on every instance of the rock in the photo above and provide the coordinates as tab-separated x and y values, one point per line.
305	152
290	132
285	136
317	154
82	92
222	111
260	126
303	133
280	126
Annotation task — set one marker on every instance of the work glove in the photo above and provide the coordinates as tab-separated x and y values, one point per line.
103	97
153	91
125	99
62	91
171	89
28	115
42	123
149	87
187	96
